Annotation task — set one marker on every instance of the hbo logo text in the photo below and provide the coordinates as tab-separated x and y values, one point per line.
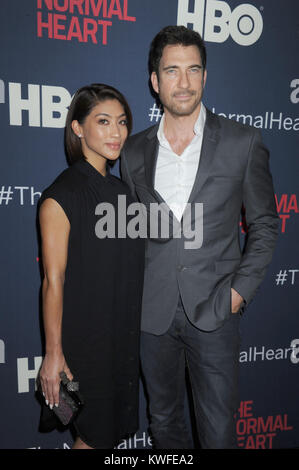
44	106
215	21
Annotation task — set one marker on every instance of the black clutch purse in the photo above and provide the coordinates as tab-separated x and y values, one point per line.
70	400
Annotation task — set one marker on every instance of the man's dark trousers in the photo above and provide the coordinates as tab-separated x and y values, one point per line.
212	360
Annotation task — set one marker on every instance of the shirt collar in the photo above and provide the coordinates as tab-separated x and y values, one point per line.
198	126
200	122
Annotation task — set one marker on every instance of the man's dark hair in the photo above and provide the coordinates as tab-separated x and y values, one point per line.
172	35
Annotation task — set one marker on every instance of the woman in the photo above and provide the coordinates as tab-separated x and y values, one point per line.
92	286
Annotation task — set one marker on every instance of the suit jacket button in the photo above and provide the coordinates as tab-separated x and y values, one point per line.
182	268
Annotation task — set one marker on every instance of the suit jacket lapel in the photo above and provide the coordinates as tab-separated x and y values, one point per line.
150	162
150	157
208	149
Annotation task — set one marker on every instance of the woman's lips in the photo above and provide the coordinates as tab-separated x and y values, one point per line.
113	146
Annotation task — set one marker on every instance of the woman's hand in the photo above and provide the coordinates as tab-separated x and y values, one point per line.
52	365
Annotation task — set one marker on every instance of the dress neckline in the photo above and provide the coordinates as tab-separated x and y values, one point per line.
89	170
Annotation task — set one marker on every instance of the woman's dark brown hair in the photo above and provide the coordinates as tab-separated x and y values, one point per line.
84	100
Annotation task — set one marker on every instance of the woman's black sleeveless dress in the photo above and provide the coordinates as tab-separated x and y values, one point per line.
102	303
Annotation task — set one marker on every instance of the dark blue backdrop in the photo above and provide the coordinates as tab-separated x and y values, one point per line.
52	47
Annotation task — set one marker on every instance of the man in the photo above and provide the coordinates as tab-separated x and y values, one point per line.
193	297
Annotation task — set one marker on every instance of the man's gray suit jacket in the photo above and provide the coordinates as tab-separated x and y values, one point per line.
233	173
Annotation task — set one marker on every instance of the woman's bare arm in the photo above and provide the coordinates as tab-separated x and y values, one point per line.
55	229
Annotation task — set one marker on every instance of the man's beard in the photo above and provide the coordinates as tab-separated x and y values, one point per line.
181	109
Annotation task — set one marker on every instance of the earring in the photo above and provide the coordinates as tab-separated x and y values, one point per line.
79	135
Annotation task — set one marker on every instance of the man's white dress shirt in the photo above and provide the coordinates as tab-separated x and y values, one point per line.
175	174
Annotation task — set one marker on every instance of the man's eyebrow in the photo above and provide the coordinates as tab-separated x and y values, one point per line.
170	67
176	66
